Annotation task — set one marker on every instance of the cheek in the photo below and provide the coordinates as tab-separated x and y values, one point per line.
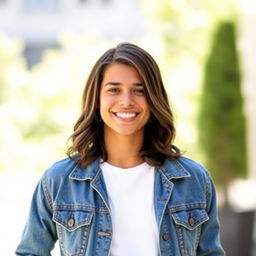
145	106
105	104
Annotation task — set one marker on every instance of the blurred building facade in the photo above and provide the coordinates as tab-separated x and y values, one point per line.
40	22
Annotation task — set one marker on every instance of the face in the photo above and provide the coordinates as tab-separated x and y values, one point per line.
123	106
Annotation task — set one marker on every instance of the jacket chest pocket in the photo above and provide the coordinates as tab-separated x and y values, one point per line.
188	227
73	230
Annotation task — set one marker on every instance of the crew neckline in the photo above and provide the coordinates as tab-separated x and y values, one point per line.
129	169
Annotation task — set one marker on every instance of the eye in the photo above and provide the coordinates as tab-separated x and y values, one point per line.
113	90
139	91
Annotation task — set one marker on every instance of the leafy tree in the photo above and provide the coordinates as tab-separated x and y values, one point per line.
181	32
221	118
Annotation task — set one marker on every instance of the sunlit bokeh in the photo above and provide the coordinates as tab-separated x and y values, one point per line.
39	104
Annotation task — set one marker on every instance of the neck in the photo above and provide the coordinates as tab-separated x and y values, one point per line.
124	151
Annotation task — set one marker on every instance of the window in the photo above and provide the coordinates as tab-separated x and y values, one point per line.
33	52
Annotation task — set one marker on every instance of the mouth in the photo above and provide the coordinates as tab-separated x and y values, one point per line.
126	115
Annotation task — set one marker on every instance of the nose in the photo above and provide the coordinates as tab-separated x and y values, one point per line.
126	99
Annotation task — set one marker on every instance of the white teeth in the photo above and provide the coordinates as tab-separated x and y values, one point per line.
126	115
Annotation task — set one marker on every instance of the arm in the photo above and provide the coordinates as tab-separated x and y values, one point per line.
39	235
209	244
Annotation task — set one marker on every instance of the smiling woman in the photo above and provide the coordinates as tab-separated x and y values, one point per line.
123	109
125	188
125	73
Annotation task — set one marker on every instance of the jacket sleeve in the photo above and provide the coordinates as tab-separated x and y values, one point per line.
39	235
209	244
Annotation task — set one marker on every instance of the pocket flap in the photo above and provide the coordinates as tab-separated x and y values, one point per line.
72	220
190	219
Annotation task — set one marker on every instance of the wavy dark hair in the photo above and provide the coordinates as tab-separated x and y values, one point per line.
87	139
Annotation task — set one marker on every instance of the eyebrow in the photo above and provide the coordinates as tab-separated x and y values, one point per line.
117	83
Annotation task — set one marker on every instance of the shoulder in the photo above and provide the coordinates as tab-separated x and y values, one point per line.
197	183
56	178
192	168
60	170
198	173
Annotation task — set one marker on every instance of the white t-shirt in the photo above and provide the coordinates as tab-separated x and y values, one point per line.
131	197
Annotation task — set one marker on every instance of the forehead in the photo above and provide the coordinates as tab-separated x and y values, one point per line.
121	72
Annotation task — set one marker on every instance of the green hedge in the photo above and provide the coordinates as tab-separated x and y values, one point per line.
222	133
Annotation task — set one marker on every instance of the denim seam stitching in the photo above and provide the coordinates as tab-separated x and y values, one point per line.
84	240
181	240
59	229
47	194
207	191
79	225
59	207
198	235
190	206
82	247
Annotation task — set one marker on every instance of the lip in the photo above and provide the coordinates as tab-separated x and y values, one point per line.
125	115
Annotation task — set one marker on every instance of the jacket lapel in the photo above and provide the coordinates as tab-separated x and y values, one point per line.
171	169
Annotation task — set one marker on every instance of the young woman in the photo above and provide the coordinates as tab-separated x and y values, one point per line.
125	189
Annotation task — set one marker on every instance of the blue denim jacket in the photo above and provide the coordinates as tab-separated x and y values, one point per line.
70	204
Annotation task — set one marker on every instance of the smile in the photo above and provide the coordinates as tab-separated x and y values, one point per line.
126	115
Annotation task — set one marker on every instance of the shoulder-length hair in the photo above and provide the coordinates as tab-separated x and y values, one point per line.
87	139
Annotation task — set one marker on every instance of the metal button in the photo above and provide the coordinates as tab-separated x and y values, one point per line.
102	233
191	221
71	222
165	237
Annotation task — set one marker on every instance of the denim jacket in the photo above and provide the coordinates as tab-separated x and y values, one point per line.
70	204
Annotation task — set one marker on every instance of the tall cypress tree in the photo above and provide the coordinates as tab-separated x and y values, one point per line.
221	120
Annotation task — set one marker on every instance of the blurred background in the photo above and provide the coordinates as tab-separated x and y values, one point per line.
206	52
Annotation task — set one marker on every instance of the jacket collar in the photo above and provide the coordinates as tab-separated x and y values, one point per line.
79	173
172	169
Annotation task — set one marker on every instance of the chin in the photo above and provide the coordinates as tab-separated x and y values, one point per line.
126	132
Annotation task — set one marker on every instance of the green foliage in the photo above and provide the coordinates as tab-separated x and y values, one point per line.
184	25
38	107
181	30
221	118
10	62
